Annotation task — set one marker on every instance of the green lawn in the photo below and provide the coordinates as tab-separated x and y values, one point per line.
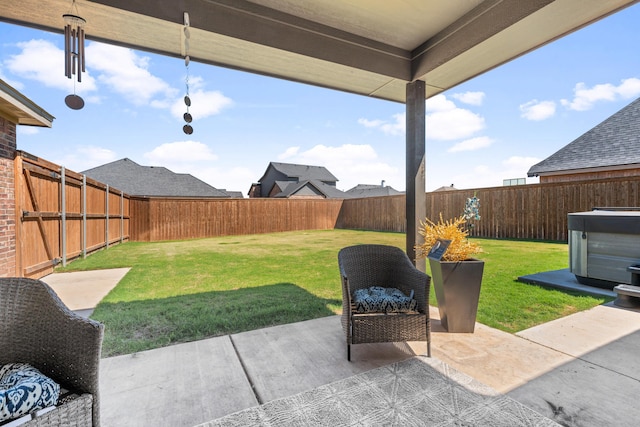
187	290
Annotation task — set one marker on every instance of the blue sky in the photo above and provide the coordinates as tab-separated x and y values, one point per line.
491	128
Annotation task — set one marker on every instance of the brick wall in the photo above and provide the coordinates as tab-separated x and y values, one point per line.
7	198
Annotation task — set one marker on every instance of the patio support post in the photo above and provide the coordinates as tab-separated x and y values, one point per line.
416	208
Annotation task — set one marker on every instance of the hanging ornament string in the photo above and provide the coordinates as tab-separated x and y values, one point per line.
187	100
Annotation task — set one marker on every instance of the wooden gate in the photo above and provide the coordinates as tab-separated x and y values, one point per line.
61	215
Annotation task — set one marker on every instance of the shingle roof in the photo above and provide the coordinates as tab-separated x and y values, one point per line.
367	190
614	142
304	172
136	180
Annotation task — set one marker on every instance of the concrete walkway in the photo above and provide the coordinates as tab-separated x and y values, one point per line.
81	291
580	370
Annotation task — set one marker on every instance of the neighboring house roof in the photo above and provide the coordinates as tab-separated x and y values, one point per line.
446	188
612	143
367	190
302	172
136	180
234	194
289	180
284	180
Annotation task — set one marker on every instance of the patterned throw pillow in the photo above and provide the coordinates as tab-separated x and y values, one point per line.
377	299
24	389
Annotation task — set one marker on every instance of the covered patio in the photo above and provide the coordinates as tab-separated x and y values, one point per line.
403	53
398	52
577	370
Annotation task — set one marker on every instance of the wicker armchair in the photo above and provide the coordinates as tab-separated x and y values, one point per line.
38	329
363	266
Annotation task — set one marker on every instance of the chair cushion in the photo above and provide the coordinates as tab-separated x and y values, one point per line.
24	389
377	299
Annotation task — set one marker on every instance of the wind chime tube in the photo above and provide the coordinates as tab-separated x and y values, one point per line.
81	49
67	51
74	38
74	55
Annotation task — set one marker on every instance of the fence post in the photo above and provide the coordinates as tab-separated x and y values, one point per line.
106	222
84	216
63	214
121	217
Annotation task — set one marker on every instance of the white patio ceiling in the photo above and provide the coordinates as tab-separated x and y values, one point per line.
369	47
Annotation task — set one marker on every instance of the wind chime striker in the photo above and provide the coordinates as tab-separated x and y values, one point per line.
74	63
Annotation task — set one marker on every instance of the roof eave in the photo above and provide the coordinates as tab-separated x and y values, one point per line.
21	109
585	170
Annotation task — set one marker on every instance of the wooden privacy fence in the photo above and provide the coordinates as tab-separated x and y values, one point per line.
157	218
385	213
535	211
61	215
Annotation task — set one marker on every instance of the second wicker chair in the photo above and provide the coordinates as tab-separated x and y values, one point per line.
37	328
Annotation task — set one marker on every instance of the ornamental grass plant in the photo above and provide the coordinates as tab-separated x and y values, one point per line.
460	248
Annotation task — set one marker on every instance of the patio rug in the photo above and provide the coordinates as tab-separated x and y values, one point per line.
419	391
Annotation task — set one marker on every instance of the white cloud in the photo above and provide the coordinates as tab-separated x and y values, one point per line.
180	152
439	103
351	164
197	159
232	179
453	124
482	175
13	83
289	153
27	130
584	97
85	157
203	104
370	123
471	98
127	73
471	144
120	69
537	110
395	126
42	61
444	121
629	88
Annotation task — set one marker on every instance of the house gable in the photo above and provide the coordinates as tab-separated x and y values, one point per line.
285	179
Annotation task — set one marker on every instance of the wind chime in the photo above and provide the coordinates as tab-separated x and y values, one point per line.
187	129
74	63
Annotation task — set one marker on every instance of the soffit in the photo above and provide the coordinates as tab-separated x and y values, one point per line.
369	47
20	109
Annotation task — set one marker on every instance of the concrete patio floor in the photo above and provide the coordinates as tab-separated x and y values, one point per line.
580	370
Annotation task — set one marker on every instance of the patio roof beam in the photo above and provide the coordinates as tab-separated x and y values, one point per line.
484	21
254	23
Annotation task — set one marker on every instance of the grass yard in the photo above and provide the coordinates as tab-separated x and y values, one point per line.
182	291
